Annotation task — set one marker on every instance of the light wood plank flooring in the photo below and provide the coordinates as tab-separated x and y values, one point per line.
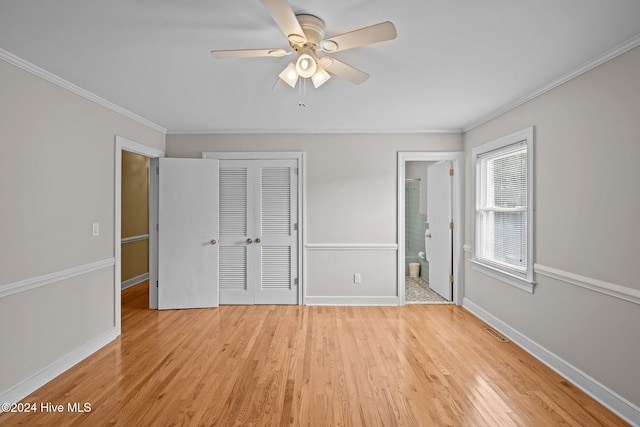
419	365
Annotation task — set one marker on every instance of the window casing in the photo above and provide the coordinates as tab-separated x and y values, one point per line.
503	219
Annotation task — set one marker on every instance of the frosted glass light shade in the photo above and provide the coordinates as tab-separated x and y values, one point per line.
289	75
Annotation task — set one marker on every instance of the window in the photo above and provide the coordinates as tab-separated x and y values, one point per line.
503	209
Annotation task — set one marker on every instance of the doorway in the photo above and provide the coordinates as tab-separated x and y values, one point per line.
430	206
123	144
427	234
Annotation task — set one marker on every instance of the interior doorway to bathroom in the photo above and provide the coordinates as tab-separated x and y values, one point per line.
429	245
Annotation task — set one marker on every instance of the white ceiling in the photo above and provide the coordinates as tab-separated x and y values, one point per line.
454	62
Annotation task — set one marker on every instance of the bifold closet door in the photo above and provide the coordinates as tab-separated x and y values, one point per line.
277	252
258	232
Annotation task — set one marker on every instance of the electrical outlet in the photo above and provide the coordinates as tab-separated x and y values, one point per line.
357	278
96	229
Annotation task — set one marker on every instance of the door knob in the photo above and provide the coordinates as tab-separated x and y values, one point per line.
213	241
249	241
428	235
258	240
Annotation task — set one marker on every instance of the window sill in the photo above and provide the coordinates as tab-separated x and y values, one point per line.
511	279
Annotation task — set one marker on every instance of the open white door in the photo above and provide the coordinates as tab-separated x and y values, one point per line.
439	244
188	233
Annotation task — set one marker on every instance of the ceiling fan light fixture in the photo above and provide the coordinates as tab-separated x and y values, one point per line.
289	75
320	78
306	66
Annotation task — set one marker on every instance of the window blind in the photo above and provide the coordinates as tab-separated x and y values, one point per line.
502	207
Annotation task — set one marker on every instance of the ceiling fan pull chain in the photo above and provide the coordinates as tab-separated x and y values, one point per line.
303	91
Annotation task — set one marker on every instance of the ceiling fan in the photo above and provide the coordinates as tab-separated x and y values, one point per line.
305	34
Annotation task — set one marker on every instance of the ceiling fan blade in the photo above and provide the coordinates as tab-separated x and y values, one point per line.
343	70
367	35
286	20
248	53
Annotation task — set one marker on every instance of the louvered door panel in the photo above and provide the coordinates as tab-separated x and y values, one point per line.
276	201
233	268
236	224
233	201
277	268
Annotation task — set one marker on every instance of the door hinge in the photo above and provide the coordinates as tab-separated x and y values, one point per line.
157	170
451	225
295	282
157	227
295	227
451	172
451	279
156	283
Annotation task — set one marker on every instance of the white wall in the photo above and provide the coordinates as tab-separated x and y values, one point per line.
587	207
351	184
56	179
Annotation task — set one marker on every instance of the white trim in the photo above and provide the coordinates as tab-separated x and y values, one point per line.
606	288
352	301
351	246
457	158
47	279
134	281
134	147
466	248
37	380
300	157
59	81
513	280
252	155
616	403
526	281
590	65
309	131
132	239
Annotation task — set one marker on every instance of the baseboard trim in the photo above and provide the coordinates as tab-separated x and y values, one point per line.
47	279
616	403
31	384
352	301
134	281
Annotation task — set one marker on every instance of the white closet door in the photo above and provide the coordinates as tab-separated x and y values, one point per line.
188	230
236	225
258	236
276	251
439	218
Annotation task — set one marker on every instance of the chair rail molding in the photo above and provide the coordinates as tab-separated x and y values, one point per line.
47	279
600	286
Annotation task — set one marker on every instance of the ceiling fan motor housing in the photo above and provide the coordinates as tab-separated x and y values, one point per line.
313	28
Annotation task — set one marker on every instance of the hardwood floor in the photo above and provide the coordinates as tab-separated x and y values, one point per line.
419	365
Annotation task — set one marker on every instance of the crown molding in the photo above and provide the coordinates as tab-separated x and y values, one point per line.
59	81
309	131
599	60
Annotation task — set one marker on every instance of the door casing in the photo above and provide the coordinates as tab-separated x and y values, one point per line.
299	156
457	158
128	145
